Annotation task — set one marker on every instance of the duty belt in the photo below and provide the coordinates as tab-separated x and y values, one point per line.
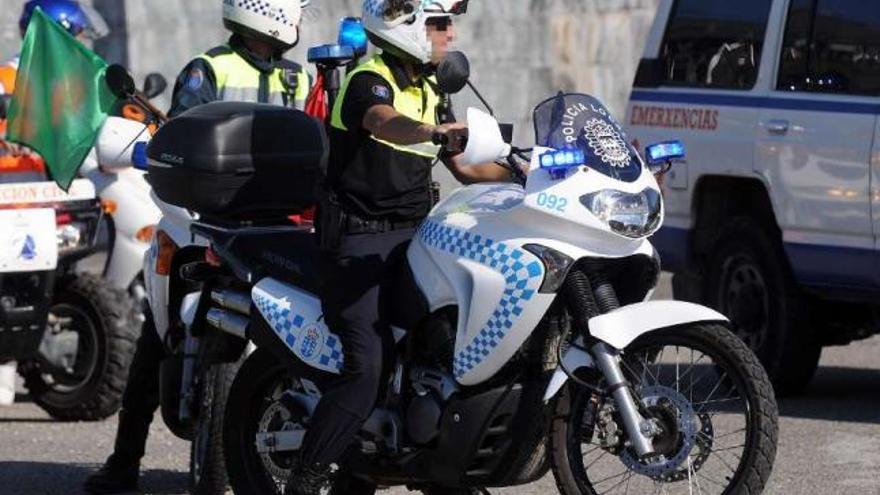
355	225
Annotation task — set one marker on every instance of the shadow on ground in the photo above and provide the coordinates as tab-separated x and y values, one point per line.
838	394
40	478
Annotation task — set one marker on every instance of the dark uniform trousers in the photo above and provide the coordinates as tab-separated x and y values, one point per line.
357	302
140	399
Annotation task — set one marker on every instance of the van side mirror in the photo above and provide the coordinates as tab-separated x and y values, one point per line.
154	85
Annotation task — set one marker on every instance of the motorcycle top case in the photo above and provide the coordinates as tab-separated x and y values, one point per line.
238	160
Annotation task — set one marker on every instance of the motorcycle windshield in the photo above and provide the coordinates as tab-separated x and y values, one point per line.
579	121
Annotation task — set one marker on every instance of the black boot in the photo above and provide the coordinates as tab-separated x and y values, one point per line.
114	477
121	471
307	479
346	484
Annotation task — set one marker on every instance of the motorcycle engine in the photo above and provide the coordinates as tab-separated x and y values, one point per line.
432	351
434	343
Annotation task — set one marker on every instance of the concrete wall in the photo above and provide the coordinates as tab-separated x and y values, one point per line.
522	51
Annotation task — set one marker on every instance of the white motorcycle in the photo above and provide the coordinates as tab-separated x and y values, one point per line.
133	216
525	338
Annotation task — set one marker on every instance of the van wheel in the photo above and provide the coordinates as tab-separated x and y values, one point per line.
749	281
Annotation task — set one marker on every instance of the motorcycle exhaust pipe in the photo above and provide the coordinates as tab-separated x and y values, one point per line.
230	299
227	322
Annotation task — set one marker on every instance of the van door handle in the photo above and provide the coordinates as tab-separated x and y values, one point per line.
778	127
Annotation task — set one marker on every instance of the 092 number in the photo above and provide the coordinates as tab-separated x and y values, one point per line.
552	202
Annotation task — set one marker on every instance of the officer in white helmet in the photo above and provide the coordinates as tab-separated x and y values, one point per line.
250	67
383	126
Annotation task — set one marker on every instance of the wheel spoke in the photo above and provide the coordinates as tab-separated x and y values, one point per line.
603	480
625	480
603	454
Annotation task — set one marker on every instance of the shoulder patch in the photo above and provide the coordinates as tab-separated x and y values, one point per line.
381	92
195	79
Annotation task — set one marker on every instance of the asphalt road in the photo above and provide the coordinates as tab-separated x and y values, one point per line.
829	441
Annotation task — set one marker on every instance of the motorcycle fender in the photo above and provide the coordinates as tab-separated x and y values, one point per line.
574	359
621	327
126	262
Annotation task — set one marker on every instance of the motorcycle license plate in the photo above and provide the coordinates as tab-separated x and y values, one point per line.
28	241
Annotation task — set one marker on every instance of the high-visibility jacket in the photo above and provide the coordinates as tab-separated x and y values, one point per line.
7	87
26	162
237	80
375	179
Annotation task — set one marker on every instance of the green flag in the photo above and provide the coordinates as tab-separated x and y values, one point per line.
60	100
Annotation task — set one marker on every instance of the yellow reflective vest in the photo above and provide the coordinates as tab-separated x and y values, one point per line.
238	80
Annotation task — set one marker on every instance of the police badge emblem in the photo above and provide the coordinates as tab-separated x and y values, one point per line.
607	143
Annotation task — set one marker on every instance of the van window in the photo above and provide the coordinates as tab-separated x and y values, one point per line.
714	43
832	46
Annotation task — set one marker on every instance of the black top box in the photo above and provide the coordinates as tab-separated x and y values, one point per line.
239	161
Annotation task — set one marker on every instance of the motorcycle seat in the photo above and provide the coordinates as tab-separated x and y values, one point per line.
287	253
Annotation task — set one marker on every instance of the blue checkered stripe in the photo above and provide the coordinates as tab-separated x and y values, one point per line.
265	9
522	278
289	327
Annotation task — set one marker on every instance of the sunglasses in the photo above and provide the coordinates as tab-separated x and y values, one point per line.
440	23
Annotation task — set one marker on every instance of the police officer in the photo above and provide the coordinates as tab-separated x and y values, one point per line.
379	189
249	68
85	24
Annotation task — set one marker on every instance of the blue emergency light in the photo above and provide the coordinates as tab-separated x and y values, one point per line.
665	152
353	34
562	159
139	155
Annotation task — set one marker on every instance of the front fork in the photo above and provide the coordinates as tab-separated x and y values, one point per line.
637	427
590	295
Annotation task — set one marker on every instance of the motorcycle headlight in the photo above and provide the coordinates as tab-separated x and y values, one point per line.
630	215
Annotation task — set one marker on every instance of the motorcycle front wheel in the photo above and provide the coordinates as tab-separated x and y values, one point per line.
712	402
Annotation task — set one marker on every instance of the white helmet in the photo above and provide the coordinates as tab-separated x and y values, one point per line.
273	21
400	24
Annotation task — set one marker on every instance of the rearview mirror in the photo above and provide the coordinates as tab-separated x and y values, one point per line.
119	81
453	73
154	85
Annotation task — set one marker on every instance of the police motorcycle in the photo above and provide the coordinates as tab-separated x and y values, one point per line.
526	340
192	391
203	354
72	333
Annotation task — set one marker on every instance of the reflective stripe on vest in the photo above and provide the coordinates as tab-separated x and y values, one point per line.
408	102
237	80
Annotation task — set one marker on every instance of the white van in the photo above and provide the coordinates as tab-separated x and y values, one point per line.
774	218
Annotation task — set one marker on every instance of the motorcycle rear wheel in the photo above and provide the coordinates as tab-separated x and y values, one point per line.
255	393
207	462
667	374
